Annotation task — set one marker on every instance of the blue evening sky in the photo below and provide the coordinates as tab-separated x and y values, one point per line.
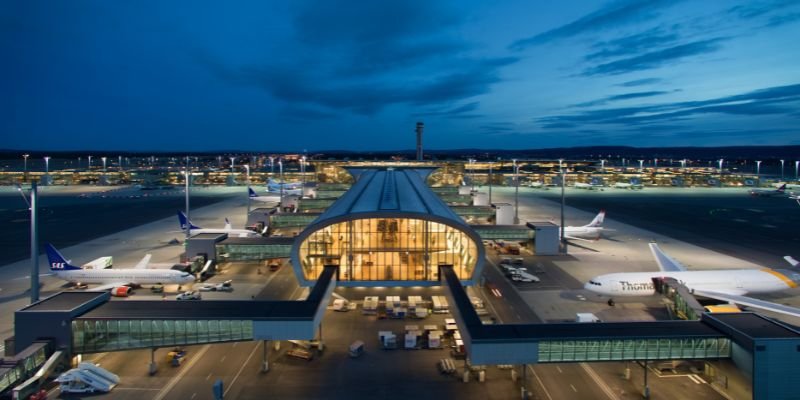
317	75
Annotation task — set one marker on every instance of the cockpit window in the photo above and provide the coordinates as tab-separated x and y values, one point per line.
595	283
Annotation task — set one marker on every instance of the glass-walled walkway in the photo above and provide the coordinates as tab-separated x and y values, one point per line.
633	349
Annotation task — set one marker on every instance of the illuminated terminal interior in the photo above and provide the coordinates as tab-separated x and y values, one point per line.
389	227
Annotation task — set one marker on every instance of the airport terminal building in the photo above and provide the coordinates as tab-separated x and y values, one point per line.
389	229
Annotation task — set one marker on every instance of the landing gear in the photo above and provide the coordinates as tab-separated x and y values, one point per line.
611	302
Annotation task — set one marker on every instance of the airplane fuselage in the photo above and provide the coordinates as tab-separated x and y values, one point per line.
230	232
741	281
583	232
134	276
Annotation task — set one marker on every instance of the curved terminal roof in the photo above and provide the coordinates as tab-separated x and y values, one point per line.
390	190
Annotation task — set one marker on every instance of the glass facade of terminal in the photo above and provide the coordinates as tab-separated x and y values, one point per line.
633	349
14	370
388	249
92	336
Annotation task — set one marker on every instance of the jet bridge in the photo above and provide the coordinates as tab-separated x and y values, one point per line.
766	349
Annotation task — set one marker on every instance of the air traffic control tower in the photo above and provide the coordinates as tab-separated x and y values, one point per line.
389	229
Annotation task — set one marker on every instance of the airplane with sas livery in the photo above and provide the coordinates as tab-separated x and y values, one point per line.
726	285
287	188
194	229
588	232
780	191
588	186
119	281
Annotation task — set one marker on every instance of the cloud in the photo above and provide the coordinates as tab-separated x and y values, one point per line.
655	59
640	82
754	9
611	16
458	112
778	100
779	20
618	97
368	57
632	44
305	114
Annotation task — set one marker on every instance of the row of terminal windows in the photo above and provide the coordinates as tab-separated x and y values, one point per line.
90	336
386	249
634	349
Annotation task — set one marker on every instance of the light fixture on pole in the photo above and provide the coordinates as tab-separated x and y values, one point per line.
516	192
603	166
46	170
641	166
90	163
683	164
272	165
796	169
119	163
186	178
104	163
655	165
34	239
232	165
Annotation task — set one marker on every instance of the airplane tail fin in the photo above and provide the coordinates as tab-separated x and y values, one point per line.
251	192
598	220
792	261
782	188
57	261
227	224
185	222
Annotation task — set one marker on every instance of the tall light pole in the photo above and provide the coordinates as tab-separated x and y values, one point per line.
90	163
47	170
603	166
516	192
272	165
683	164
25	167
641	166
563	183
186	190
280	165
655	165
119	163
34	240
104	163
303	170
758	172
796	169
247	169
491	164
782	161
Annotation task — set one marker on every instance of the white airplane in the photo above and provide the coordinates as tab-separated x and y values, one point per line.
118	281
194	229
288	188
626	185
588	232
769	192
726	285
266	199
538	185
588	186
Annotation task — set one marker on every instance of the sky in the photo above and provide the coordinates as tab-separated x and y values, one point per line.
357	75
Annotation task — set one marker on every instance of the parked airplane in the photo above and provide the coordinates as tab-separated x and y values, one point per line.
193	229
769	192
288	188
118	281
588	186
726	285
626	185
267	199
538	185
590	231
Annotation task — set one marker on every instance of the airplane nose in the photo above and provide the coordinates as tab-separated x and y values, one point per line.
587	286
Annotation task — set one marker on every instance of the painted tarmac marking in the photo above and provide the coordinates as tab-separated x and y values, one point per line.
600	383
573	388
193	395
240	370
546	393
174	381
222	359
559	369
209	375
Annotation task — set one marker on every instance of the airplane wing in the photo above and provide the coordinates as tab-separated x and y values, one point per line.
665	262
143	263
750	302
109	286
